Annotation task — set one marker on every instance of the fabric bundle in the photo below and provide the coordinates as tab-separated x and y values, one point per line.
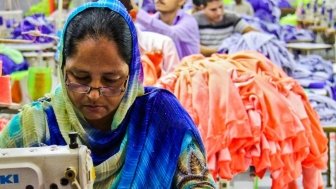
285	33
314	68
12	60
250	113
315	74
266	44
158	56
291	33
326	108
152	67
266	9
32	23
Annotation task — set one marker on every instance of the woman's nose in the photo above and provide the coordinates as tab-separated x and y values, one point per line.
94	94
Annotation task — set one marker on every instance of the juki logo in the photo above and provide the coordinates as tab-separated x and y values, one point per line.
9	179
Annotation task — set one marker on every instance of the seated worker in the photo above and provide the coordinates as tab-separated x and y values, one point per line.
172	21
215	25
159	49
139	137
242	7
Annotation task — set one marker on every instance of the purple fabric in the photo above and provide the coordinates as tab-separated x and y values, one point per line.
291	33
325	107
149	6
184	31
264	14
284	4
9	66
284	33
314	68
266	10
263	43
35	22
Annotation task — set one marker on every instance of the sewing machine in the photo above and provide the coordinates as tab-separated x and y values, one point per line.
54	167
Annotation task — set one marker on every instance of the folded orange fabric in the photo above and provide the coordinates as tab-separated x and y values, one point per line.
250	113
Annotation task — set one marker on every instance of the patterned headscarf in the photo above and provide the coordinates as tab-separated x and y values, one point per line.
134	87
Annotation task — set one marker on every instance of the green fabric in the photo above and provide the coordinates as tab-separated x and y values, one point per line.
41	7
228	2
290	19
13	54
19	75
305	2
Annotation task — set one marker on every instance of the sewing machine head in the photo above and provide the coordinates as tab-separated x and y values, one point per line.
54	167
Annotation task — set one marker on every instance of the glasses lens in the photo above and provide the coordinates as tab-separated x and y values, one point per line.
110	91
78	88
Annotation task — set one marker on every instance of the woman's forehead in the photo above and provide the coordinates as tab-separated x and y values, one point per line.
99	53
78	69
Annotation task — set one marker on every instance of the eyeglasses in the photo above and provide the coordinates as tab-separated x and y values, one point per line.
103	91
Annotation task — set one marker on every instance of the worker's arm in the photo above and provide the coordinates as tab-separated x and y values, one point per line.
248	29
208	51
243	27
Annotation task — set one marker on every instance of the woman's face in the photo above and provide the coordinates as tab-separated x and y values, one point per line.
96	63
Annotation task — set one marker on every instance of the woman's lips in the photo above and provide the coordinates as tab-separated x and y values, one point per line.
93	108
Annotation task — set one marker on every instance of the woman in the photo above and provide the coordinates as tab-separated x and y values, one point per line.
139	137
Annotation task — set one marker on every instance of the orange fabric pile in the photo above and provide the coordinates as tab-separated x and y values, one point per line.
250	113
152	66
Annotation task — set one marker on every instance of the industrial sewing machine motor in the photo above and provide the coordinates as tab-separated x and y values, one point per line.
52	167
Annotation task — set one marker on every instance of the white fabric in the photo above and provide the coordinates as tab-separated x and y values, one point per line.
151	42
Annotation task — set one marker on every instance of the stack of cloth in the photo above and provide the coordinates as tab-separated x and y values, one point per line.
250	113
38	23
326	108
266	44
285	33
266	10
313	72
12	60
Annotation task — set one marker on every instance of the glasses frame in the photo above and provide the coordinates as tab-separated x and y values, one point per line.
87	89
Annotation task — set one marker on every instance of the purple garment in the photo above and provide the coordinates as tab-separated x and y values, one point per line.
284	33
188	5
9	66
291	33
266	10
313	68
35	22
284	4
263	43
184	31
325	108
148	6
